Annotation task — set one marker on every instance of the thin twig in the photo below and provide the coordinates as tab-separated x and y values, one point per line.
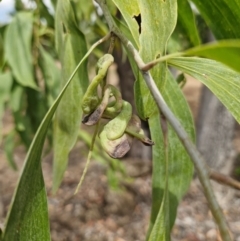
197	159
88	159
213	175
112	43
223	179
151	64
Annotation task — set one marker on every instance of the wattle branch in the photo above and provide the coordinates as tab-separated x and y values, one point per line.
199	162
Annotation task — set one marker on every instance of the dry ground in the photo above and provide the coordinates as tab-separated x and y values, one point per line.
100	214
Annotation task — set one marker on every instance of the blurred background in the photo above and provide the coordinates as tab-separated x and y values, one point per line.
115	199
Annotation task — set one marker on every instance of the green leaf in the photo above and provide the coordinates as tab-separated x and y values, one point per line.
17	45
161	229
51	74
180	167
158	22
9	144
83	10
187	21
65	21
1	51
129	11
185	34
222	81
69	113
124	29
5	89
44	13
28	216
22	121
29	204
222	16
225	51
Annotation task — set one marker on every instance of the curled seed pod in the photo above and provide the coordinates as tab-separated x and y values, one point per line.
116	148
116	127
102	108
95	116
134	129
91	99
114	107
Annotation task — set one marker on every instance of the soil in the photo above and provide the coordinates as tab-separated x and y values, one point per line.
98	213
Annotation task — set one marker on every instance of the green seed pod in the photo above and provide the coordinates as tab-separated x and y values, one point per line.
134	129
91	99
103	109
116	127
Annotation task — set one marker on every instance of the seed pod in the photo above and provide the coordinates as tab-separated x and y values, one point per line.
116	148
91	99
134	129
116	127
95	116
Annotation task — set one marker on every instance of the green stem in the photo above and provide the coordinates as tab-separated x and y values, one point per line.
88	159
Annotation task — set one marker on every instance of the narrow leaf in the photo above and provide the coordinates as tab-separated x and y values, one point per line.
225	51
51	74
222	81
161	229
158	22
180	167
22	121
5	88
131	14
9	144
28	216
187	21
124	29
29	204
222	16
18	48
69	113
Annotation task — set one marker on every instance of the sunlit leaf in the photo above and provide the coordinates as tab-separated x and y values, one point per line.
221	80
17	44
130	12
158	22
225	51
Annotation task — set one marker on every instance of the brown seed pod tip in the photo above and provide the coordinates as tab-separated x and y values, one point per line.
116	148
121	149
85	118
148	142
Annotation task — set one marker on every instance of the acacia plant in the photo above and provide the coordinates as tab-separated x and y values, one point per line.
151	46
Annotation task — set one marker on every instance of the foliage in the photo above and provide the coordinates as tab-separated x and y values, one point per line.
29	72
31	84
